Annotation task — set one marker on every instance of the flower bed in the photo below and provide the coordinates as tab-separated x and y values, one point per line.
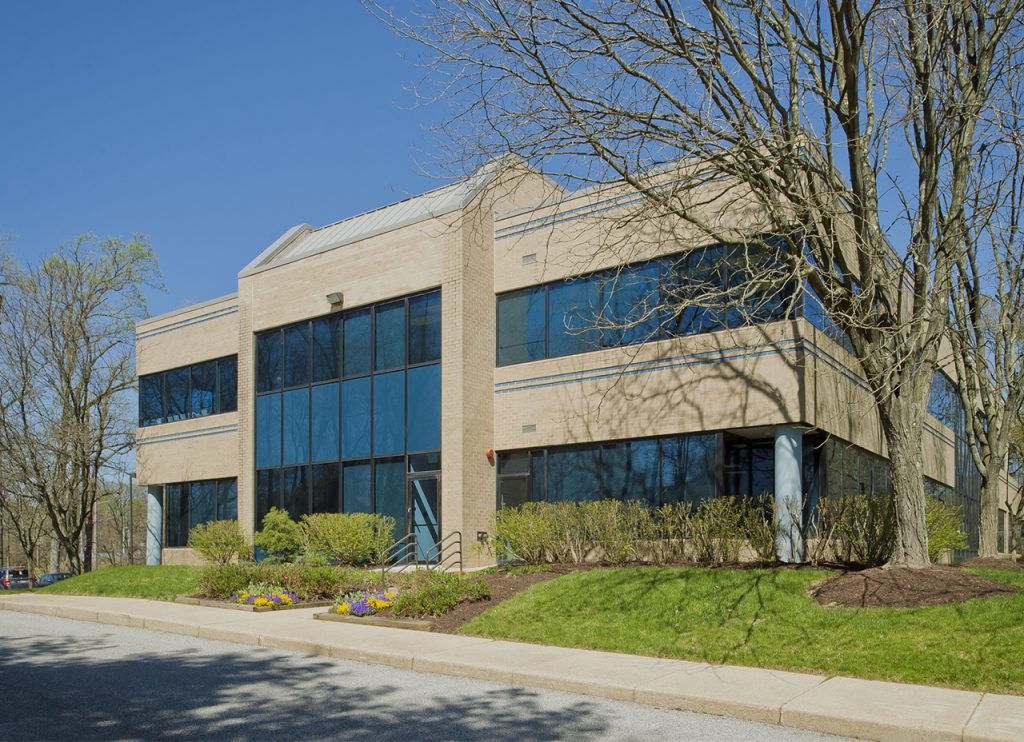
265	600
363	603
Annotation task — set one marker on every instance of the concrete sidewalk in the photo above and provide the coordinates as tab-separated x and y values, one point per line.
843	706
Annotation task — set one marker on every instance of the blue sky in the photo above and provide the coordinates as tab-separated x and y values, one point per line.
211	127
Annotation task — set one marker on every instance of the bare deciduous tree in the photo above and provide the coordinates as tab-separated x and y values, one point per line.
853	128
66	371
987	332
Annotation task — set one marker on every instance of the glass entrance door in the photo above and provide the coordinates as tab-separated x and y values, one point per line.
424	518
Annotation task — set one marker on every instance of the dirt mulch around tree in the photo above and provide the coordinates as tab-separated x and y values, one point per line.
991	563
901	587
504	585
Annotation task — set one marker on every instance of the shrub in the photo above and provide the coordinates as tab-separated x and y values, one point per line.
427	593
220	541
346	538
759	527
222	580
856	529
313	582
280	537
716	530
307	581
526	533
944	528
671	525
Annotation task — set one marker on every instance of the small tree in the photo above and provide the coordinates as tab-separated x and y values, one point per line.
280	537
220	542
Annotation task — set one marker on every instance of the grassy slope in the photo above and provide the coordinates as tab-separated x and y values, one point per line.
158	583
765	618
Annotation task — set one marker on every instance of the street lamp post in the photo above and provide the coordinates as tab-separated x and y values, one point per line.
131	518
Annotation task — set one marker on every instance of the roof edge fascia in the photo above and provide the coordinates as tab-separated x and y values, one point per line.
276	247
182	310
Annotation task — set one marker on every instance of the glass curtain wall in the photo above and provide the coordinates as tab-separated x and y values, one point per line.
346	406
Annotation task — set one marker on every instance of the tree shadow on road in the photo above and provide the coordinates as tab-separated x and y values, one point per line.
68	688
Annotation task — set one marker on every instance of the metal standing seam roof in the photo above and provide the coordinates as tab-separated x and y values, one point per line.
303	240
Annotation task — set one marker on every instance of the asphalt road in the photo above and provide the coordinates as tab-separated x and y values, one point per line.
62	679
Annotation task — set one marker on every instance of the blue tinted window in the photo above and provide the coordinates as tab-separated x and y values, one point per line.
643	472
296	427
356	341
615	471
325	422
204	389
388	413
694	287
227	371
521	326
355	418
268	493
325	348
419	462
295	491
151	400
573	311
389	492
325	488
268	361
296	355
425	408
673	470
574	474
630	305
538	476
175	515
514	463
356	488
389	337
701	457
425	328
227	499
943	400
202	503
176	400
268	430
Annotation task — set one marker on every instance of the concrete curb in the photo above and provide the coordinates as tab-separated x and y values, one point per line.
852	707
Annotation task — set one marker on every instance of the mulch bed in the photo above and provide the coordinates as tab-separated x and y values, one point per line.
991	563
503	586
902	587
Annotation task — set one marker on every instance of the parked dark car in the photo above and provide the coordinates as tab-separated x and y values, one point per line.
51	577
14	578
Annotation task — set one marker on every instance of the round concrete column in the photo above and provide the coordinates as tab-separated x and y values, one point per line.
154	525
789	544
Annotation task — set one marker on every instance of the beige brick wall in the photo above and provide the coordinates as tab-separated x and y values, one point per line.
396	263
193	334
188	450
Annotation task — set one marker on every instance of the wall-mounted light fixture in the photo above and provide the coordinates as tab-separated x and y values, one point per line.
489	453
336	298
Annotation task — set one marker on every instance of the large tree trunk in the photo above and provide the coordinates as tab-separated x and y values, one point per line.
988	523
904	439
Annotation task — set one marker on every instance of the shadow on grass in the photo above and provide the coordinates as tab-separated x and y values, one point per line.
79	688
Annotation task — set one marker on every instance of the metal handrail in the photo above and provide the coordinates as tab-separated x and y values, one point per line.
442	555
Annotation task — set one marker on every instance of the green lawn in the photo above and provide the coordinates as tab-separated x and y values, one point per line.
158	583
764	618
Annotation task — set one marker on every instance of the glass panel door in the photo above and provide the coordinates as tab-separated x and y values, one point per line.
424	520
